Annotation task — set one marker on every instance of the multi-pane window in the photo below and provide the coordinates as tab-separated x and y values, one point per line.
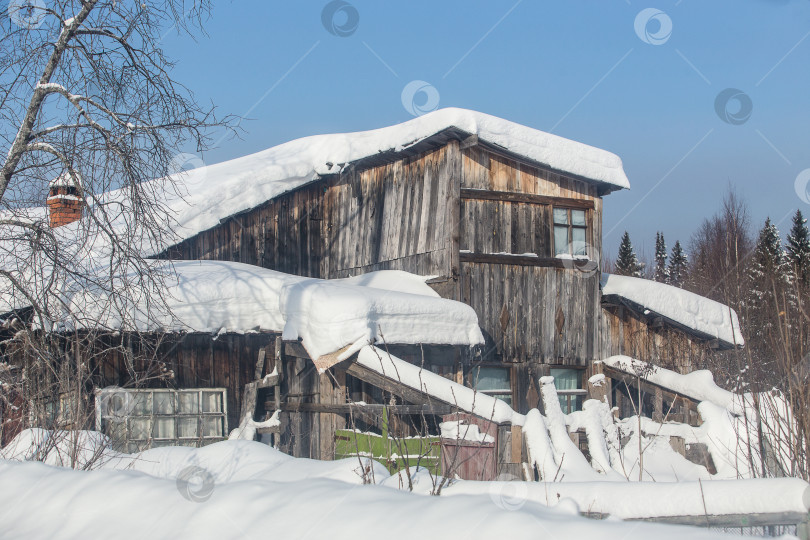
568	382
140	419
62	411
493	381
570	232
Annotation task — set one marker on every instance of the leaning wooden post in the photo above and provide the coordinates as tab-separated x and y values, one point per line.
279	369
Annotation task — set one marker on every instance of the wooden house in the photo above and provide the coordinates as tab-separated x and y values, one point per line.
500	217
506	218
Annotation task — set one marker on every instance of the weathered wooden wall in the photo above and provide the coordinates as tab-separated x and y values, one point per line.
623	331
197	360
393	216
284	234
530	313
532	309
445	211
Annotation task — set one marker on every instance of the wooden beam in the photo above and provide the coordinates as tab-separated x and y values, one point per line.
583	265
389	385
267	381
469	142
647	387
260	363
294	348
732	520
350	408
525	198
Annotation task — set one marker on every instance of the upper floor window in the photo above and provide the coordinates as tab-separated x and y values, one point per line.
570	232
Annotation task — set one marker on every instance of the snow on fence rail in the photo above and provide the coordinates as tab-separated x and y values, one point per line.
714	503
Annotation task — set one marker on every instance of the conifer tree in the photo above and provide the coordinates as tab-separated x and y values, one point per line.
677	265
661	270
769	296
798	249
627	263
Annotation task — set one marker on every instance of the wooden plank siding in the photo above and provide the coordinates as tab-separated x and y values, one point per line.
197	361
283	234
625	332
393	216
534	310
517	308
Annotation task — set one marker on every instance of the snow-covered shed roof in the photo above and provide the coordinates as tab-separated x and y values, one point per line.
327	315
699	315
698	385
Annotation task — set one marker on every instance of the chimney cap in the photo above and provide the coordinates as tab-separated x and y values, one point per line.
65	180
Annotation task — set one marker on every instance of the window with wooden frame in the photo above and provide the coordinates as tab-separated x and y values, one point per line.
568	382
62	411
570	232
493	381
139	419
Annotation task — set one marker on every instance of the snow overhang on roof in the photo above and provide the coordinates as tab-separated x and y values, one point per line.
389	306
544	149
695	314
219	191
201	198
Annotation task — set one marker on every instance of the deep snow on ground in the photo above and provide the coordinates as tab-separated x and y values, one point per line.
242	489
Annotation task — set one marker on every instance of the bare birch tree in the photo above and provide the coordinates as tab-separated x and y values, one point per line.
87	96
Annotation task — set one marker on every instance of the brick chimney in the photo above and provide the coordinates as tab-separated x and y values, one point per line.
64	202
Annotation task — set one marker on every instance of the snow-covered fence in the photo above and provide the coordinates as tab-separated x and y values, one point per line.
717	503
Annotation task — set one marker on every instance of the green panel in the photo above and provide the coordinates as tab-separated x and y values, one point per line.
394	454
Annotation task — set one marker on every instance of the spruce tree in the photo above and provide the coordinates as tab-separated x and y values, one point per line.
798	249
677	265
661	270
769	295
627	263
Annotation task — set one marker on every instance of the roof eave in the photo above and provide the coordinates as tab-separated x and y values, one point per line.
717	343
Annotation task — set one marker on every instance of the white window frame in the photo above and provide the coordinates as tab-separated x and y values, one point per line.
569	225
122	418
498	393
570	395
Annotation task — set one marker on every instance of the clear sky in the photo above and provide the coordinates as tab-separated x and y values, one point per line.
642	84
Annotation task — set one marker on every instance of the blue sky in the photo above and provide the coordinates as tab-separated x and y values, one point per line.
577	68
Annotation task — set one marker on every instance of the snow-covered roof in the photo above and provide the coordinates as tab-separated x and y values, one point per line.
200	198
703	316
217	191
698	385
441	388
327	315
